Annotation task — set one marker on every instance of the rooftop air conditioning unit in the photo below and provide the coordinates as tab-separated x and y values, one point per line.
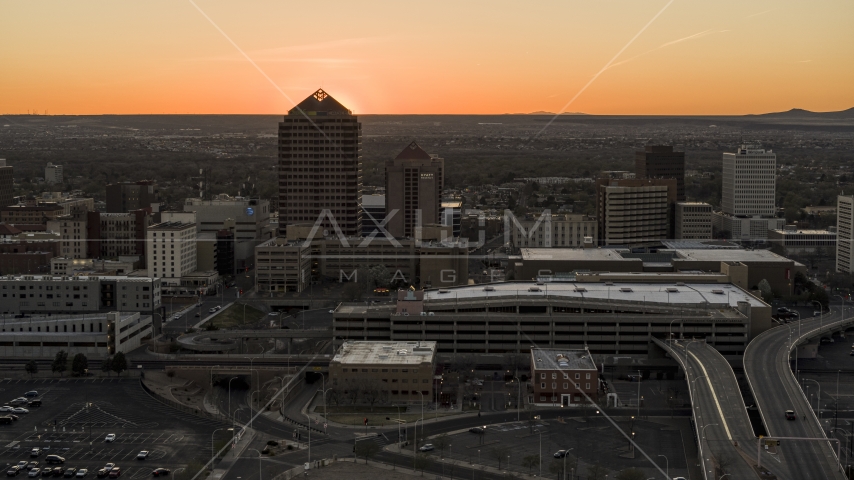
718	292
672	290
488	289
534	289
580	289
626	289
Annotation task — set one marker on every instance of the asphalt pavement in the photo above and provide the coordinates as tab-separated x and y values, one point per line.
769	372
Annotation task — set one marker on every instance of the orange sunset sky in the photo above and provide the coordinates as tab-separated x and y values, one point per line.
454	57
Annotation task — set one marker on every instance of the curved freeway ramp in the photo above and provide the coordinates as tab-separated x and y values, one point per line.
226	340
766	363
724	433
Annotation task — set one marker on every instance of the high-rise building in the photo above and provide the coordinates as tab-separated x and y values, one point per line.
660	161
320	166
634	212
6	184
747	195
248	218
749	181
128	196
123	234
845	233
74	233
693	221
558	231
413	186
53	173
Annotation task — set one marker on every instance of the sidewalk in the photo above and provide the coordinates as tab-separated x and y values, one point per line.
232	455
455	463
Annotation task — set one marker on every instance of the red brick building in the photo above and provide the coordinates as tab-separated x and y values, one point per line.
563	377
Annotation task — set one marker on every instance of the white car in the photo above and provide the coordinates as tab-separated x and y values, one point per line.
34	472
212	310
273	314
110	437
20	410
142	455
426	448
82	472
8	408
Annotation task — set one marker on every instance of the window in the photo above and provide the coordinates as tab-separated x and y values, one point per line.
364	370
554	375
588	376
566	376
577	376
587	386
565	385
542	376
554	385
543	384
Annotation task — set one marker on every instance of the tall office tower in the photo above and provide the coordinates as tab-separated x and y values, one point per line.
373	213
129	196
320	166
634	212
53	173
748	182
660	161
845	233
6	188
413	186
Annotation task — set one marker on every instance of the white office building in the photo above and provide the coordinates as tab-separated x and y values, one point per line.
747	194
53	173
170	251
845	233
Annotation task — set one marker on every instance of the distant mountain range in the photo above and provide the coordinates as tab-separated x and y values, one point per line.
801	113
553	113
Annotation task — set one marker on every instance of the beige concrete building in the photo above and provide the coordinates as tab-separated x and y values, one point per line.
552	231
799	242
73	230
413	187
845	233
53	174
29	214
394	371
171	252
634	212
693	221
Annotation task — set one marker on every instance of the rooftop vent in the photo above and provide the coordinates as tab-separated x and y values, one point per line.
609	284
672	290
444	291
680	284
534	289
488	289
626	289
580	289
718	292
402	352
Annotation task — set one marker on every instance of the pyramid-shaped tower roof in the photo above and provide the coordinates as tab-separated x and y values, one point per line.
413	152
320	103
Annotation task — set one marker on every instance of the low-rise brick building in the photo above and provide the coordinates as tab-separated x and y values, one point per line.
563	377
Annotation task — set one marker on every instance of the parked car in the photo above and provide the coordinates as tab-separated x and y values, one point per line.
8	408
115	472
142	455
111	437
32	465
35	472
13	471
20	410
478	430
58	471
19	401
427	447
32	393
35	452
70	472
54	459
790	415
82	472
161	472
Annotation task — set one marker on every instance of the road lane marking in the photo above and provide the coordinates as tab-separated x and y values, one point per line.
714	396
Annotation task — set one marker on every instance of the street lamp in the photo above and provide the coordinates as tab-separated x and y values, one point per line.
259	462
229	409
703	438
213	454
667	462
818	399
820	315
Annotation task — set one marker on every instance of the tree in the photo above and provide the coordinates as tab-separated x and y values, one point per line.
371	392
422	462
80	364
334	395
60	362
352	392
596	472
352	292
107	365
441	442
556	467
765	289
367	449
631	474
531	461
378	277
499	453
31	367
120	363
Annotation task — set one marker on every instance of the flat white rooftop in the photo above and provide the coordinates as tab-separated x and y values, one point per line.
561	359
388	353
692	295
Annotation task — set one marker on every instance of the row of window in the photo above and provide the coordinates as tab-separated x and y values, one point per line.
565	385
565	376
374	370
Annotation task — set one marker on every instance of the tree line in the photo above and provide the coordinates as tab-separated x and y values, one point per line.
80	364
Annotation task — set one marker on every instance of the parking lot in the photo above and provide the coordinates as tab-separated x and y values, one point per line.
77	414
